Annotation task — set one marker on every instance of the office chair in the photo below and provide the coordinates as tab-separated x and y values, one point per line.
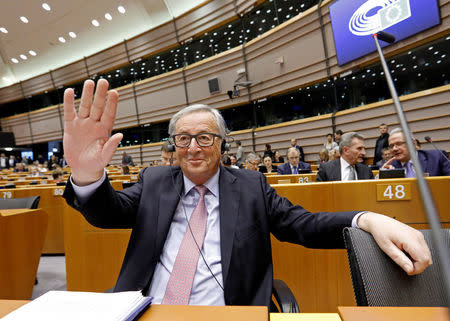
379	281
26	202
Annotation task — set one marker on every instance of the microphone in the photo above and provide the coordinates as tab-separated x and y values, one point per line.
384	36
428	139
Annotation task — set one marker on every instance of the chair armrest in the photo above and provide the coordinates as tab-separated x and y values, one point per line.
284	297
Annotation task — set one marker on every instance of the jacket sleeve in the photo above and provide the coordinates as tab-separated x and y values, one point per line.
293	223
107	208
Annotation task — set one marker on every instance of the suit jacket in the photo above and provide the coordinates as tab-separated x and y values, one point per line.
432	163
263	169
331	171
286	168
382	142
250	210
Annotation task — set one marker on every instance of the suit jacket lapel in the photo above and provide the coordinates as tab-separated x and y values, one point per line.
168	202
229	199
423	161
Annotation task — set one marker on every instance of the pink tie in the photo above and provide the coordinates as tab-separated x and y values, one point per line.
180	282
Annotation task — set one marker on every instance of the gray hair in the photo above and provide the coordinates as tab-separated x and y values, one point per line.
399	130
346	140
251	157
195	109
293	149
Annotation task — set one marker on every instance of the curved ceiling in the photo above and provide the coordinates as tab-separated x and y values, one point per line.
44	28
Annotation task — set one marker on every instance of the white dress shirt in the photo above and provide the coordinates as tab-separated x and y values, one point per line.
205	289
345	170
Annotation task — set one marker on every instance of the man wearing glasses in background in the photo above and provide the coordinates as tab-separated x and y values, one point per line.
432	161
223	255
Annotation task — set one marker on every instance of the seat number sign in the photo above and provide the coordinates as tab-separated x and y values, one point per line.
394	192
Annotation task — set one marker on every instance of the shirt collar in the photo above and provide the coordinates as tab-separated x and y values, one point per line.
211	184
344	163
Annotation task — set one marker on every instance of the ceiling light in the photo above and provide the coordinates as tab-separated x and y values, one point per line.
24	19
14	60
95	23
108	16
121	9
61	39
23	57
72	34
4	30
46	6
32	52
5	78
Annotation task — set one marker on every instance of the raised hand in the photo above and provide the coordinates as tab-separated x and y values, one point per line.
394	237
88	147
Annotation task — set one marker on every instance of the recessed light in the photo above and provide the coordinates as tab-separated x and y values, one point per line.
5	78
108	16
14	60
24	19
121	9
95	23
46	6
32	52
4	30
61	39
23	57
72	34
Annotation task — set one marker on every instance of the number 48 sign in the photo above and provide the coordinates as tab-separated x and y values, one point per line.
393	192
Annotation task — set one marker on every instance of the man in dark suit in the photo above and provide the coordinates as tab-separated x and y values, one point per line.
381	143
294	164
432	161
349	166
299	148
231	213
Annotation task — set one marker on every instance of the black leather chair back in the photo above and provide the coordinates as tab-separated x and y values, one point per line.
379	281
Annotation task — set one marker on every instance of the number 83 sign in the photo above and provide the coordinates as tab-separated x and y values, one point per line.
393	192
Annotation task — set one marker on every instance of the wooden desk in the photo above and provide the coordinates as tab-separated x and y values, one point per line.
393	313
22	233
180	312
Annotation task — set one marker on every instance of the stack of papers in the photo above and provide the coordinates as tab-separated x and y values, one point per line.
82	306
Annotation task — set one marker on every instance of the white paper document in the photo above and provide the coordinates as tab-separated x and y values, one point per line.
86	306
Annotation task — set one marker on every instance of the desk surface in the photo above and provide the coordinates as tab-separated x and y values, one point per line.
393	313
235	313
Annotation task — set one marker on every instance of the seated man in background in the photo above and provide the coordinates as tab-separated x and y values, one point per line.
294	164
168	157
252	161
348	167
385	156
235	162
232	212
432	161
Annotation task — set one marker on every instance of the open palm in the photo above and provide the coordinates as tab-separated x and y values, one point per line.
88	147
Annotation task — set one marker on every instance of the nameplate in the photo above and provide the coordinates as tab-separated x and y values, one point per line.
394	192
58	191
7	195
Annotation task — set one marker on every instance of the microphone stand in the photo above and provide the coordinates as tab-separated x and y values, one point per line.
428	203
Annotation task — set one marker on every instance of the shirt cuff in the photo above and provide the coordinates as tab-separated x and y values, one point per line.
84	192
355	219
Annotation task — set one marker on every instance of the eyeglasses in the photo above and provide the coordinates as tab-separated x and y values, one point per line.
398	144
203	139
